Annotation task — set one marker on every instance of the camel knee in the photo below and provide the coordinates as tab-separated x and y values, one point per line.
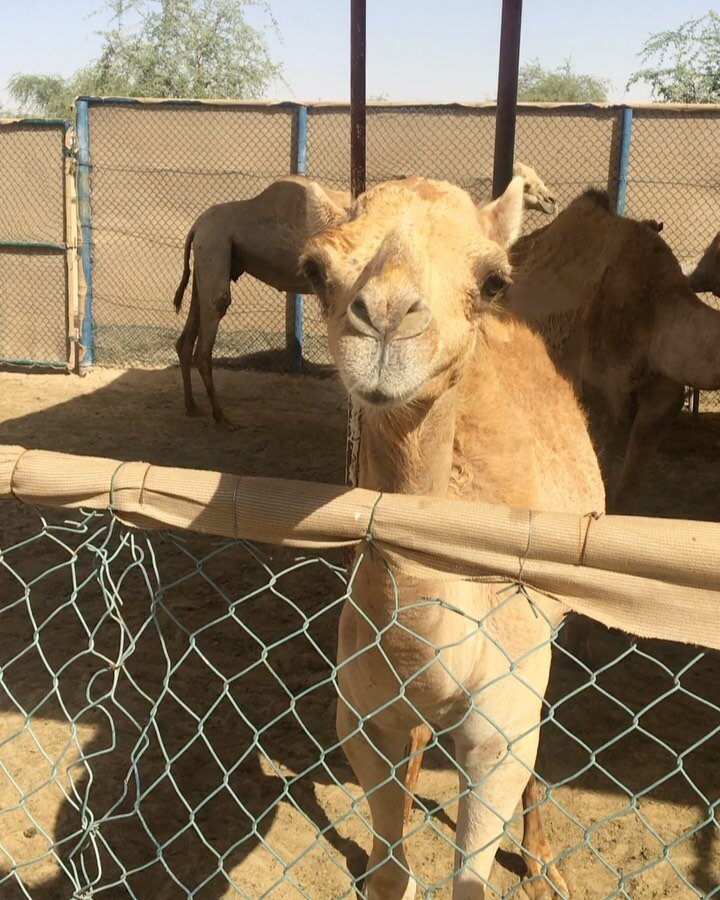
222	302
202	360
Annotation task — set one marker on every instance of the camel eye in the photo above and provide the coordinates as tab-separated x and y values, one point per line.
493	285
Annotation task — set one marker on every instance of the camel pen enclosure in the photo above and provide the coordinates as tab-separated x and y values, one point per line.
146	169
168	680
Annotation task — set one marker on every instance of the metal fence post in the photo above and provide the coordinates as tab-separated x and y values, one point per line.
82	129
624	161
506	107
294	302
358	174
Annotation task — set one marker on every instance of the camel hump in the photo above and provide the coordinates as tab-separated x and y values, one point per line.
599	198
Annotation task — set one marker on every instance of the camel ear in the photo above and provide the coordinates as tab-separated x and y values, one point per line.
313	266
502	219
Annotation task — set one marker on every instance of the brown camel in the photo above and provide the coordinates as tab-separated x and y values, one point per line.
262	236
619	318
446	383
704	272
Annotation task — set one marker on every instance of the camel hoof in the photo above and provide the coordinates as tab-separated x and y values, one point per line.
408	894
541	889
193	411
225	424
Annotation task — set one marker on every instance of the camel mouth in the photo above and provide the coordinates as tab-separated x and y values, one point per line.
382	399
547	206
541	204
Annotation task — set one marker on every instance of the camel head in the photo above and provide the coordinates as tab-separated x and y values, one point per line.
537	194
704	273
405	283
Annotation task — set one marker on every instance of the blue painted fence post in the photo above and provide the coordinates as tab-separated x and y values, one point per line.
624	164
82	129
294	317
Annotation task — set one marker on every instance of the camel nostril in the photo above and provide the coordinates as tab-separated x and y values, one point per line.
360	309
415	321
360	317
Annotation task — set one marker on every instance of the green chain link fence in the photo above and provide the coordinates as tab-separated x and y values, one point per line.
167	708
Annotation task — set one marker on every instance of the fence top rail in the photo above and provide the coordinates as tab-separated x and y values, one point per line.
32	122
650	577
188	102
394	104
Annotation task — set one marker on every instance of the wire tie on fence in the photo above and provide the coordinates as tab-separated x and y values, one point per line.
591	517
521	582
14	470
111	498
371	523
234	505
148	466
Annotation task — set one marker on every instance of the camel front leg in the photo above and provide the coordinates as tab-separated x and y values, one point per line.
377	758
658	403
492	780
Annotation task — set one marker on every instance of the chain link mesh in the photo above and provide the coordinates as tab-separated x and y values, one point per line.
33	290
167	730
155	167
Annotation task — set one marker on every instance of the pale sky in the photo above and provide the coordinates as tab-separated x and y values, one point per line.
417	49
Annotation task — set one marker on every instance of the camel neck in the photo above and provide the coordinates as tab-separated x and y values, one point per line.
409	450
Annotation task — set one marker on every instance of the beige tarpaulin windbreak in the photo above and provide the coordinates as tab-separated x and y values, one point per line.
651	577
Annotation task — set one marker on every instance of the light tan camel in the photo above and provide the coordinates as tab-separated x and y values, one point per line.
460	402
536	194
704	272
619	318
262	236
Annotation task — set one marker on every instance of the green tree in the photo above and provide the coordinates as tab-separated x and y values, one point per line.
560	85
163	48
683	66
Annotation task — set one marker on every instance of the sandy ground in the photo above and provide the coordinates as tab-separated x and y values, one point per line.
240	660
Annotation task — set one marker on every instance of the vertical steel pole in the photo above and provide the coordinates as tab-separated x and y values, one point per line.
357	96
624	161
294	302
82	128
357	186
505	112
695	403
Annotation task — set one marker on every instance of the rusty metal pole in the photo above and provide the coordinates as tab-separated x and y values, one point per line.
357	186
505	112
357	96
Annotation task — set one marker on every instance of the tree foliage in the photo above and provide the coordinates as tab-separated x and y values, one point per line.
683	66
163	48
561	84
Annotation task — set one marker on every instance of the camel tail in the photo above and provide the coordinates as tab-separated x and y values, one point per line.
179	293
